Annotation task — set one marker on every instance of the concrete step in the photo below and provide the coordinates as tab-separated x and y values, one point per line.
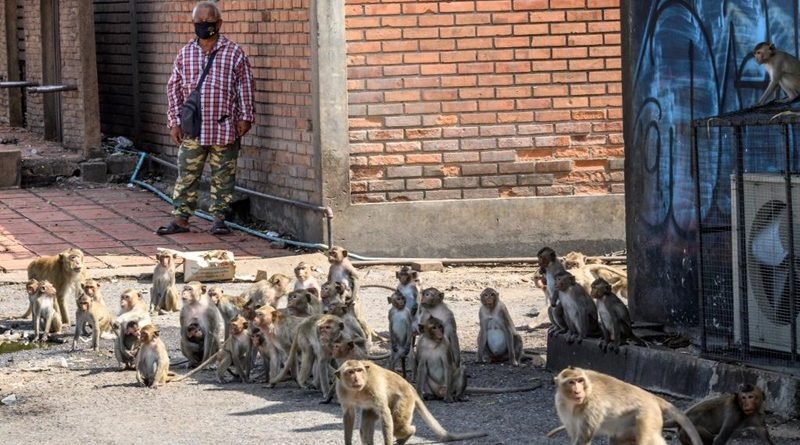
10	167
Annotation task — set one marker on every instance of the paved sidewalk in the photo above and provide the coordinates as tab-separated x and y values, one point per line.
113	225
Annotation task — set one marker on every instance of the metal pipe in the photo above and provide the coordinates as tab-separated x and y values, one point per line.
483	260
17	84
52	89
701	310
790	219
740	238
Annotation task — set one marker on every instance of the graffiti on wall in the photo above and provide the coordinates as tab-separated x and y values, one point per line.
686	60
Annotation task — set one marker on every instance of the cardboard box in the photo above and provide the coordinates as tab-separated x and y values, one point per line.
206	265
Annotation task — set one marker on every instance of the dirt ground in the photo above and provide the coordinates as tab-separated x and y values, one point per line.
82	397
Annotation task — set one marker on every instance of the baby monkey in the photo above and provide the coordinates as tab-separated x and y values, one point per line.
304	279
152	361
401	332
408	286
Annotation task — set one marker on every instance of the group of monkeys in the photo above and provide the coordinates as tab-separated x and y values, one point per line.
321	339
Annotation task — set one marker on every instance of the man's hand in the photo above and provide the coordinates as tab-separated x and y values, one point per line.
176	133
242	127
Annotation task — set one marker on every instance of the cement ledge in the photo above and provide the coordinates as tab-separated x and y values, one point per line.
670	372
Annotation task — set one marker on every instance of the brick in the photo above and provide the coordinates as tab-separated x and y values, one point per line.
517	116
498	181
366	172
584	16
428	266
555	190
437	20
478	144
405	196
384	135
459	81
390	34
424	158
573	127
437	45
420	8
423	133
478	118
441	120
553	166
423	184
515	142
386	160
585	40
496	105
405	146
440	94
494	30
403	121
458	56
369	198
570	102
616	164
492	56
517	167
457	6
366	148
460	183
510	17
618	188
478	169
536	153
522	5
536	179
473	19
481	193
498	156
498	130
459	107
548	16
461	157
457	32
440	145
404	171
493	5
475	93
384	109
382	9
442	194
386	185
401	96
545	116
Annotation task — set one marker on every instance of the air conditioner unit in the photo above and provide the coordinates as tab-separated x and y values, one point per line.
766	235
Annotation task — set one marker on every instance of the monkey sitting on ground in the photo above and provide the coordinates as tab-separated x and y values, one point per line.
32	289
383	395
333	292
229	307
132	309
432	305
783	69
354	328
65	272
277	332
236	351
550	266
266	292
498	336
400	331
615	320
716	419
580	311
164	293
408	286
591	403
46	319
198	308
127	344
303	302
304	278
96	316
152	360
341	270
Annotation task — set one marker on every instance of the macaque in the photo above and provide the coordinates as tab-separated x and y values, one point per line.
229	307
550	267
383	395
46	319
354	329
94	315
498	337
92	289
236	351
432	305
277	330
132	309
342	270
401	331
783	70
590	403
615	320
32	289
198	308
164	293
303	302
408	286
152	360
304	278
439	373
716	419
344	348
579	310
333	292
127	344
65	272
266	292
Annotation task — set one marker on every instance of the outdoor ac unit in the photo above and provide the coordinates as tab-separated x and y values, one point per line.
767	242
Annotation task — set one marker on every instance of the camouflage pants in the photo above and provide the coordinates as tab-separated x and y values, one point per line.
191	160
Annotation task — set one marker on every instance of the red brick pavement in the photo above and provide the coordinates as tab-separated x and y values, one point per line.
114	226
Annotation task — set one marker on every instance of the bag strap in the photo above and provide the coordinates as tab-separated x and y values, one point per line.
205	70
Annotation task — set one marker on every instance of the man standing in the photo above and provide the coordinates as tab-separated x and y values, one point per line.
226	112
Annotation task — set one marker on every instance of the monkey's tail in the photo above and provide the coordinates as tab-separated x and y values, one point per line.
686	424
383	356
381	286
287	367
555	431
484	390
438	429
200	366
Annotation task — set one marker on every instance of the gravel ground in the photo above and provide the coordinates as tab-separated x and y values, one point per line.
86	399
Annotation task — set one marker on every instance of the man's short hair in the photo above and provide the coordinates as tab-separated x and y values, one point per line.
212	5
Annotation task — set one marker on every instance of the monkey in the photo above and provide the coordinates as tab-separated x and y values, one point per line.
152	360
579	310
132	309
229	307
341	269
164	293
400	331
65	272
32	289
277	332
344	348
46	318
304	279
717	418
439	373
497	336
549	268
95	315
432	305
783	70
198	308
383	395
92	289
587	270
303	302
408	286
615	320
266	292
345	312
333	291
590	403
236	351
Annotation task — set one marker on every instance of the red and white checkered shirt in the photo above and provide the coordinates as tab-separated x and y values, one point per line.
226	96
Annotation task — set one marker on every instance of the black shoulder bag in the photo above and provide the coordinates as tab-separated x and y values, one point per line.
191	114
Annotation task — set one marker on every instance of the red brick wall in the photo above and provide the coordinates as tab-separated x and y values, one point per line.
484	99
32	23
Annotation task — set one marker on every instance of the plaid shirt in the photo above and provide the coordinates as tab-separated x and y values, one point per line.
226	95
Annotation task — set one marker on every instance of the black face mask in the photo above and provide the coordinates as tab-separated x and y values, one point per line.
205	30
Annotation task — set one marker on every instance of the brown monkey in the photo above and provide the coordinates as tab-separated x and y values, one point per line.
344	348
439	372
432	305
580	311
32	289
65	272
354	328
383	395
549	267
93	314
236	351
229	307
46	319
304	278
152	360
197	308
303	302
615	320
783	69
408	286
333	291
716	419
132	309
498	336
341	269
401	331
164	293
590	403
266	291
278	329
92	289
